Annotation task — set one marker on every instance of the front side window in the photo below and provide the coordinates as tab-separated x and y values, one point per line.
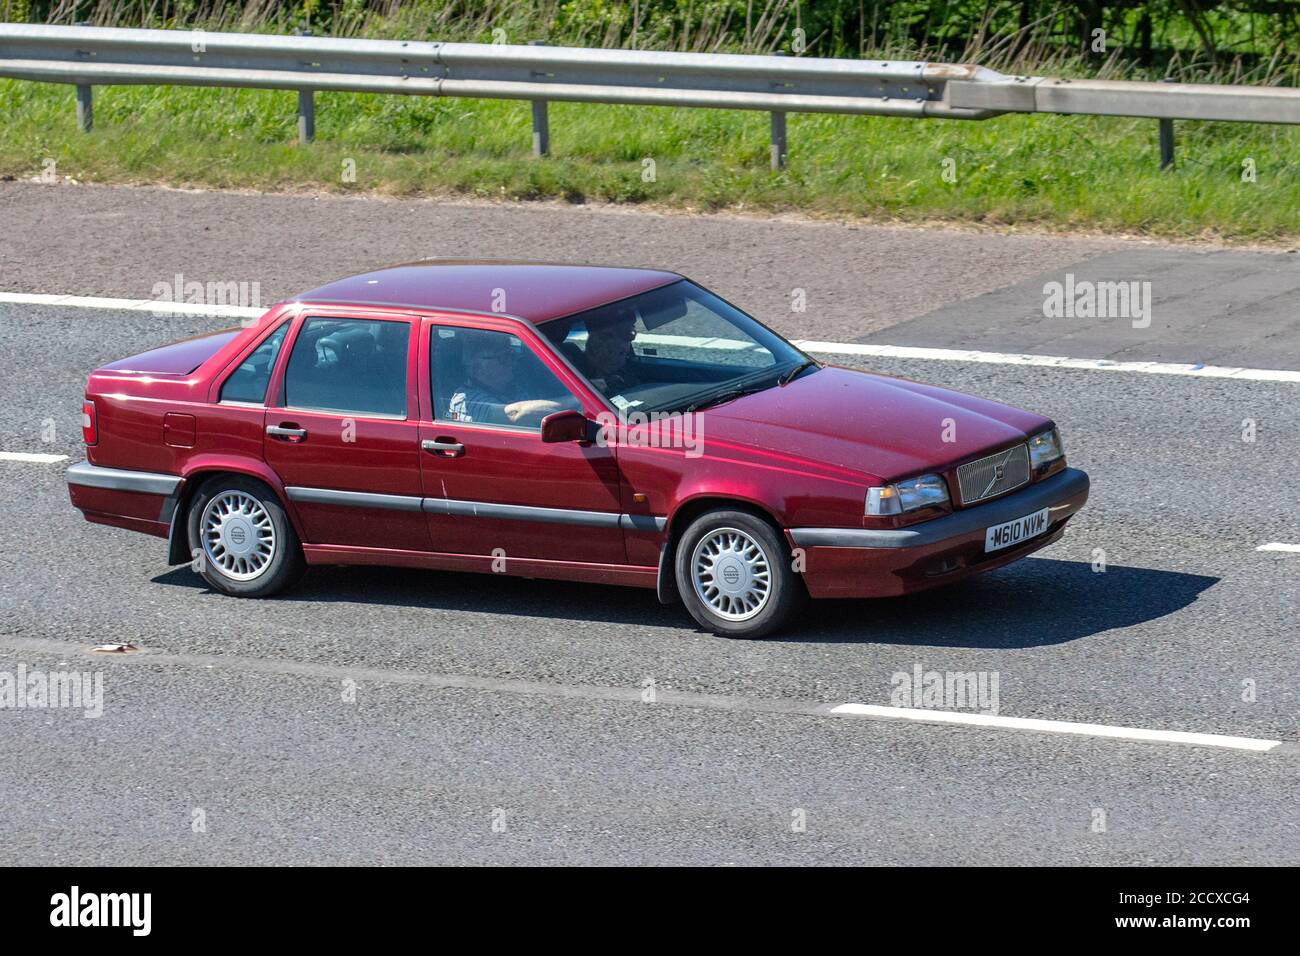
492	378
670	348
349	365
248	382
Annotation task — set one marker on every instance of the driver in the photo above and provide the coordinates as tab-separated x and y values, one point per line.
490	394
608	360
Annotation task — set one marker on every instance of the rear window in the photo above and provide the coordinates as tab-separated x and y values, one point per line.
349	365
248	382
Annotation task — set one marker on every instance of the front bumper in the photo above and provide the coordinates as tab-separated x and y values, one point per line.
866	562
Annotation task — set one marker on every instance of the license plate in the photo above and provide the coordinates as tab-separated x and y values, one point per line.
1015	531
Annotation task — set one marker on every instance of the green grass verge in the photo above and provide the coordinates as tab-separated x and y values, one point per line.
1067	172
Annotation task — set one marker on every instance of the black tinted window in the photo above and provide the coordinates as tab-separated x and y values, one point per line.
349	365
248	382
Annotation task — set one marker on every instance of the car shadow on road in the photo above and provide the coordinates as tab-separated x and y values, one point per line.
1032	603
1035	602
472	593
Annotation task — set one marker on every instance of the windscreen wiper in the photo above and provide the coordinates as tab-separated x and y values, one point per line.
726	395
790	376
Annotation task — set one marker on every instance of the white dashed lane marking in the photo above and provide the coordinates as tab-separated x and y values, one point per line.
130	305
36	459
1056	727
1279	546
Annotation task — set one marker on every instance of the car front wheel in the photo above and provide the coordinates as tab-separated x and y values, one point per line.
242	541
735	575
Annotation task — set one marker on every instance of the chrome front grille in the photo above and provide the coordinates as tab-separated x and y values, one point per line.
995	475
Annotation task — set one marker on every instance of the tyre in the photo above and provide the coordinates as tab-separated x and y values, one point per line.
242	541
734	575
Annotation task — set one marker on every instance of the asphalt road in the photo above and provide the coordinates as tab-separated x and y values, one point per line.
482	700
1215	306
122	241
810	280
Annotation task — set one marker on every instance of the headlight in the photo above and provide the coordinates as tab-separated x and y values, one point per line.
1045	448
911	495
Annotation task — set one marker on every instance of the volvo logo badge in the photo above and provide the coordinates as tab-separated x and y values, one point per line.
999	472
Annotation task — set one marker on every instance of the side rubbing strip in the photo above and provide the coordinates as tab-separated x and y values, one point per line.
353	499
478	509
120	479
483	509
642	523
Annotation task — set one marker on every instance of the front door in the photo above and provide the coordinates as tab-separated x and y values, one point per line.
491	486
343	433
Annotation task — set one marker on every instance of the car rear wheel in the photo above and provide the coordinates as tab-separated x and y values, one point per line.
242	541
735	576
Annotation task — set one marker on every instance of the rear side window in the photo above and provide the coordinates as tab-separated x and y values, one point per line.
349	365
248	382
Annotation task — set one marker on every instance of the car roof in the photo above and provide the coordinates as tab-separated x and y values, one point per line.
535	291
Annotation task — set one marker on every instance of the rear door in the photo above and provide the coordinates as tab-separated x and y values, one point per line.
491	486
343	431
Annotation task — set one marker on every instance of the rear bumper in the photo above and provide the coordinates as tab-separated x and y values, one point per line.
138	500
862	562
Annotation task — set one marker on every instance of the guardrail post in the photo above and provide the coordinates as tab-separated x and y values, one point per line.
778	135
541	120
306	116
1166	143
778	141
306	109
85	108
85	99
1167	138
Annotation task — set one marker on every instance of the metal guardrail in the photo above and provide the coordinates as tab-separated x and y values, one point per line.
100	56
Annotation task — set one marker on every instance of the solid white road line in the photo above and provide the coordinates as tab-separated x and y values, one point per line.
1279	546
808	345
1055	727
131	305
37	459
1050	361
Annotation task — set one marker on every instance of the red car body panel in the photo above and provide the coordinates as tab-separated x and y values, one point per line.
532	291
178	358
803	453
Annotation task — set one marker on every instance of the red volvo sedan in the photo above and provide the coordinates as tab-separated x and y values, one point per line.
607	425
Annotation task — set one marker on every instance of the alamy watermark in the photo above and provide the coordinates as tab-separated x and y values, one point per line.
133	911
182	291
1085	299
635	429
48	690
945	690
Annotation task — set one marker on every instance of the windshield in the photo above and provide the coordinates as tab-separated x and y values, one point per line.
671	348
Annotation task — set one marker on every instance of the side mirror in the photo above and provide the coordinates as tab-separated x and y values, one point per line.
567	425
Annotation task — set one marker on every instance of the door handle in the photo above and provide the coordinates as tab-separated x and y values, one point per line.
285	432
444	447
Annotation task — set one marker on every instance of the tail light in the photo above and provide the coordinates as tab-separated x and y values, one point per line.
89	424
